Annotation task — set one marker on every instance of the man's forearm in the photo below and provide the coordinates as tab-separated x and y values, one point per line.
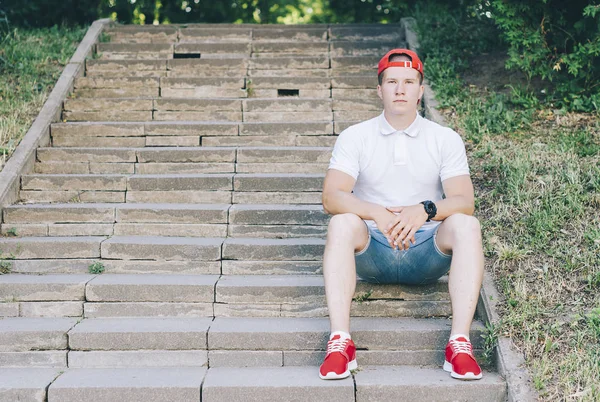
457	204
339	202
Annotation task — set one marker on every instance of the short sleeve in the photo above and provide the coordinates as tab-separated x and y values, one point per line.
454	156
346	153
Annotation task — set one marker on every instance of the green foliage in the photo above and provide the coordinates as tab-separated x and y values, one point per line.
556	41
5	267
49	12
96	268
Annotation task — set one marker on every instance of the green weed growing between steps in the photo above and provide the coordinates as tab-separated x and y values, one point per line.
536	171
31	60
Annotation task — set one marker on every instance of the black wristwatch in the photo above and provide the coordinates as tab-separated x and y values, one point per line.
430	208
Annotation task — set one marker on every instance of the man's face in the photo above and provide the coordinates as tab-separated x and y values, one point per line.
400	90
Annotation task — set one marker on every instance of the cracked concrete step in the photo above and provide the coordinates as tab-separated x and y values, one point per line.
50	247
215	49
385	383
202	87
152	288
363	48
111	213
304	296
204	68
36	358
257	249
154	182
288	63
186	155
289	105
128	384
185	128
277	221
135	51
265	214
225	33
21	334
289	48
134	333
26	384
162	248
293	182
162	34
273	384
32	288
107	182
373	383
138	358
172	267
310	334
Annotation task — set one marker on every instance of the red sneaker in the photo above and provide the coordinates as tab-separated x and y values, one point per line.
460	362
340	359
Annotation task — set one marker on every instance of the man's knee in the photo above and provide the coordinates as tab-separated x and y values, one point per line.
463	226
350	227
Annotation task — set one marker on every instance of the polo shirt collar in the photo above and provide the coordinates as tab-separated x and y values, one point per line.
412	131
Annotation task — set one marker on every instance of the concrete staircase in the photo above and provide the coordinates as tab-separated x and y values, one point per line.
188	169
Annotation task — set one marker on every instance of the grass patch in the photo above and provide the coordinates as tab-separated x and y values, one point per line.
536	171
96	268
31	60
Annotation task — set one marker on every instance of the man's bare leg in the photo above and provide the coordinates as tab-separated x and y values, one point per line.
460	235
346	234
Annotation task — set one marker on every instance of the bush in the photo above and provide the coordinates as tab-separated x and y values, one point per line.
49	13
557	41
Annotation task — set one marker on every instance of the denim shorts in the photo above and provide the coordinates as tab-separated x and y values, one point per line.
421	264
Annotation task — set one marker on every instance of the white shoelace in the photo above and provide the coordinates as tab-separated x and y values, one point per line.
461	347
336	345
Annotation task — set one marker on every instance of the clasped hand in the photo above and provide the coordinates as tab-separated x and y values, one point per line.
401	224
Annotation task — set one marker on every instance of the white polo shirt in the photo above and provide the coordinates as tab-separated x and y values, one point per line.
399	168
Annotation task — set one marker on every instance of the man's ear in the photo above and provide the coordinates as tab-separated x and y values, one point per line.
379	92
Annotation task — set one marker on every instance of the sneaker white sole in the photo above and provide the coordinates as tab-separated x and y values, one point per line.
353	365
468	376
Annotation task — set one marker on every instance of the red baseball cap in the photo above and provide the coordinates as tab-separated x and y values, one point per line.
414	62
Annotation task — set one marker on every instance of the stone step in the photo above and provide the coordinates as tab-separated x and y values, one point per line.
162	248
275	182
224	333
371	383
157	333
310	334
256	295
85	130
152	288
289	48
128	384
171	267
138	358
43	288
26	384
288	63
50	247
230	33
28	334
363	48
234	49
158	34
195	220
257	249
134	51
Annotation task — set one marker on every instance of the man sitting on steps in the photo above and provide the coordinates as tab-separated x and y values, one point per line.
391	224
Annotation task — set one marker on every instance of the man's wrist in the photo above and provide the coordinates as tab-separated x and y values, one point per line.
430	209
